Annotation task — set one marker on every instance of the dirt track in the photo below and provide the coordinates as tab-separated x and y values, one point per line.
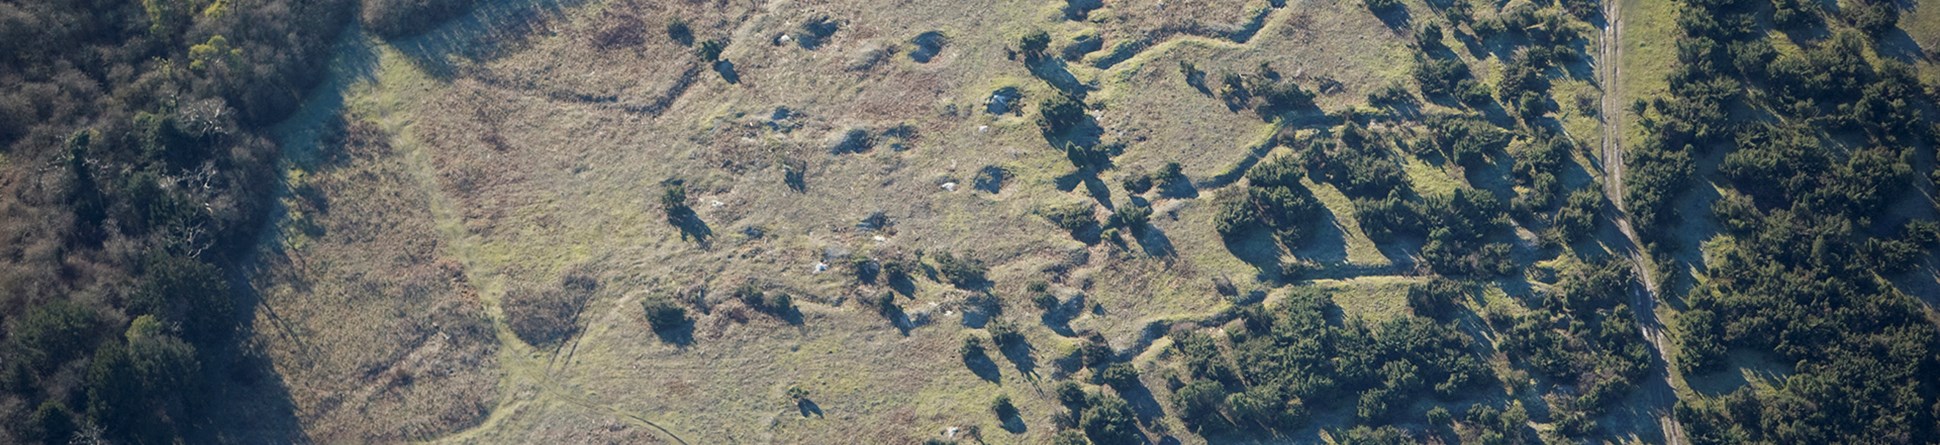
1659	395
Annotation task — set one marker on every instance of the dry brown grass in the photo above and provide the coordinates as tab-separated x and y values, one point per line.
377	334
551	156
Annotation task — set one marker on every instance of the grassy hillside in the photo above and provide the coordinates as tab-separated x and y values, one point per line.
988	221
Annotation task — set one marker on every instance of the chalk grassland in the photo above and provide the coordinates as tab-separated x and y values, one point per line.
519	154
376	331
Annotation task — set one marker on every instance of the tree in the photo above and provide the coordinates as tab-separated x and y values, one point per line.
663	315
1436	298
1058	114
678	30
1002	407
1235	214
1108	420
1134	216
53	333
1071	396
1198	403
188	292
50	423
1034	44
972	348
1120	376
710	50
673	200
961	271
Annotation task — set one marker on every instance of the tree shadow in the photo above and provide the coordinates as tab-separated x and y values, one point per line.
1053	72
976	318
1326	240
247	400
1013	424
984	367
1179	189
1143	403
1396	17
1022	356
726	69
899	319
791	315
679	336
1256	247
928	45
1059	317
990	179
808	408
1078	10
1153	241
1197	80
816	31
1094	187
691	226
901	284
490	29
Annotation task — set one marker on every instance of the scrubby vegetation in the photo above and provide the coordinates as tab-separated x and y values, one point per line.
148	121
1283	364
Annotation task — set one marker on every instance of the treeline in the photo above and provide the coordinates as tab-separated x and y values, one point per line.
1809	240
138	173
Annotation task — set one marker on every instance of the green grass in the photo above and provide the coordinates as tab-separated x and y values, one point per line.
1429	180
1374	298
1649	50
1360	249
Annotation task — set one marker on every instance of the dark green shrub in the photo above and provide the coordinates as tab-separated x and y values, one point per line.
1045	302
1282	97
53	333
1577	219
1004	334
1133	216
776	303
866	270
1169	175
1120	376
663	315
961	271
895	270
1199	403
972	348
1033	44
1136	182
1071	396
1282	171
187	292
885	304
673	197
1436	299
710	50
1236	213
50	423
1108	420
1003	408
678	30
1058	114
1071	217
